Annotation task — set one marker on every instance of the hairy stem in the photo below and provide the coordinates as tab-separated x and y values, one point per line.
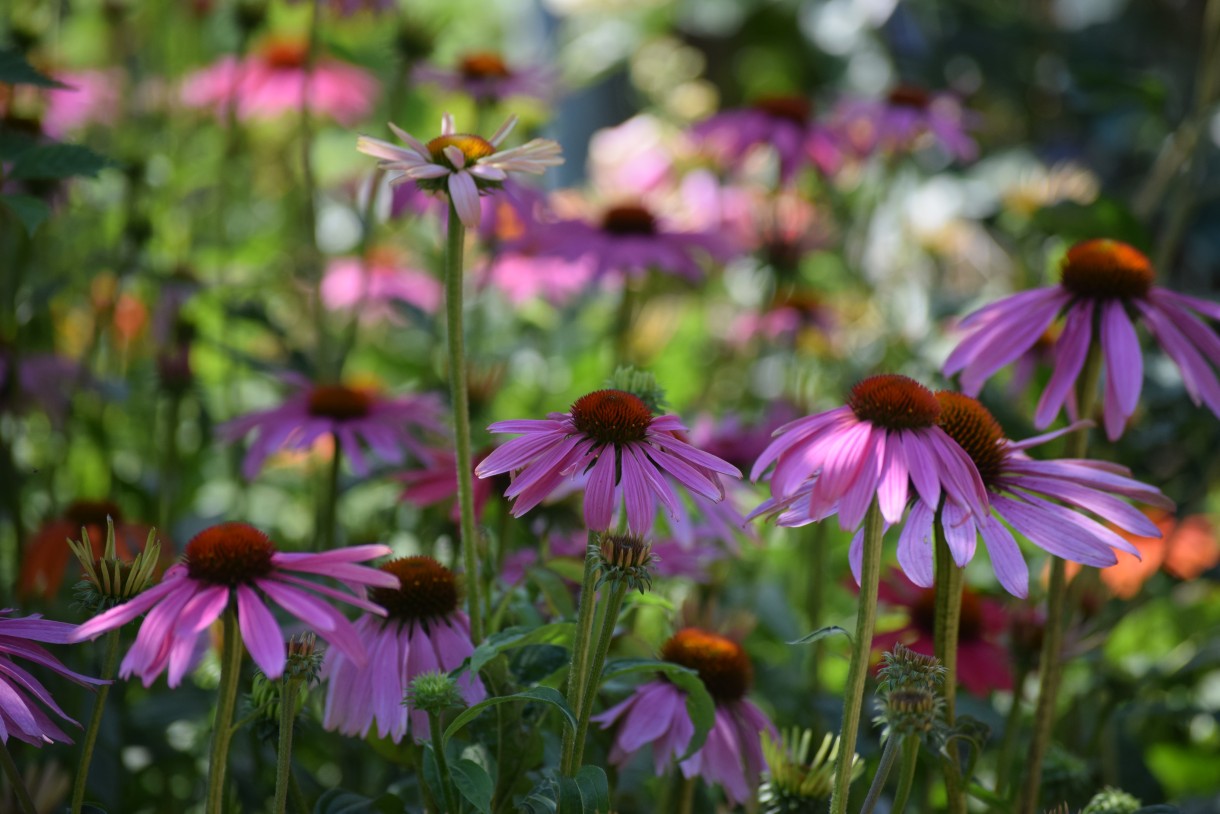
906	776
594	675
945	636
580	646
109	662
283	763
888	756
226	702
442	765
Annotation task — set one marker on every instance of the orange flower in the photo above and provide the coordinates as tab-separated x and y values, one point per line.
1185	550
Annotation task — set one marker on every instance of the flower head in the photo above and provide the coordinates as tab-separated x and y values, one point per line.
784	124
882	442
20	716
423	631
908	118
656	713
377	285
462	164
614	437
236	564
1040	499
487	77
388	425
1103	282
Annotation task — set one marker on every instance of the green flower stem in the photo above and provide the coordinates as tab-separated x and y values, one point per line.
324	537
906	776
460	404
580	646
1012	723
686	801
853	693
298	796
109	662
947	626
283	763
14	778
888	756
593	678
442	765
1051	661
226	702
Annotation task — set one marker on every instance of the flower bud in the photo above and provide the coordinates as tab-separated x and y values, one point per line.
795	781
624	557
434	693
911	692
641	384
1112	801
108	581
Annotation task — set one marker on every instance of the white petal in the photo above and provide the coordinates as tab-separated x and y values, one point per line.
455	156
503	132
410	140
465	197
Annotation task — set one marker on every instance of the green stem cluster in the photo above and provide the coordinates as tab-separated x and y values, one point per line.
866	619
592	678
109	662
888	757
442	765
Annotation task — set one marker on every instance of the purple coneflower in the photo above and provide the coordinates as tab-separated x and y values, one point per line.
387	424
656	713
1102	282
424	631
377	285
631	240
783	123
615	437
20	717
435	481
908	116
487	78
235	562
885	439
1022	490
463	164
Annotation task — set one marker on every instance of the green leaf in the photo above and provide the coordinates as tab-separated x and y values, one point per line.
594	788
339	801
29	210
544	694
570	801
50	161
554	590
699	704
515	637
15	70
818	635
473	783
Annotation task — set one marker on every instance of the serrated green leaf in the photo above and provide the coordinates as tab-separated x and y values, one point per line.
473	783
543	694
822	633
699	704
51	161
515	637
15	70
29	210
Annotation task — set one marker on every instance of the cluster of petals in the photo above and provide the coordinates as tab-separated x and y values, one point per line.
360	694
376	286
182	607
798	141
655	713
22	696
554	450
901	121
466	174
485	76
1005	331
389	425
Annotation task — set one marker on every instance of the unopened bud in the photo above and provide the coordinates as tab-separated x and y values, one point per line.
641	384
108	581
624	557
434	693
796	780
1112	801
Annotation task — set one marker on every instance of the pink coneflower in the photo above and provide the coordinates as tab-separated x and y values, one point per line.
92	96
1102	282
47	554
631	240
235	562
1043	500
906	119
795	318
462	164
372	286
388	425
487	78
20	717
273	80
784	124
885	439
615	437
982	658
423	631
656	714
435	481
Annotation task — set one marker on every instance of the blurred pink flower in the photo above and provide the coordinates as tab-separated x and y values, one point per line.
371	286
92	96
906	119
487	78
272	80
784	124
435	481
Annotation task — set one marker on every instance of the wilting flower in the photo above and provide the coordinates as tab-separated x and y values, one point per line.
423	631
784	124
388	425
981	657
372	286
90	96
631	240
1045	501
908	117
614	437
20	716
1103	282
487	78
655	713
884	440
274	79
47	553
1186	549
462	164
235	563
